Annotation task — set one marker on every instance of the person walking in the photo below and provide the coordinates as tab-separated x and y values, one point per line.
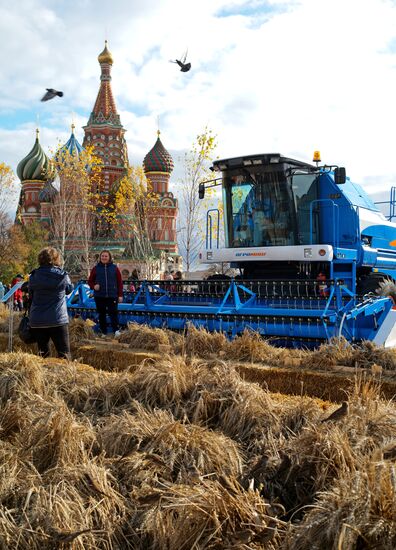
48	318
106	281
18	296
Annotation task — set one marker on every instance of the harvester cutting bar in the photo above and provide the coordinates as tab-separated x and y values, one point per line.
308	313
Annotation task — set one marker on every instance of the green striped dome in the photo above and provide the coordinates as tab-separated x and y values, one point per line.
36	165
158	159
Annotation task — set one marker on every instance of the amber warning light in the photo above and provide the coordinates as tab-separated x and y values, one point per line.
316	156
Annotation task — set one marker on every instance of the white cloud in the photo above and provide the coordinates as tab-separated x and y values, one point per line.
276	76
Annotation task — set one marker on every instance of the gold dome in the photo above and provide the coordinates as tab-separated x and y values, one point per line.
105	56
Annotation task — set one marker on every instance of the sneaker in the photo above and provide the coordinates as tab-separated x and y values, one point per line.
117	334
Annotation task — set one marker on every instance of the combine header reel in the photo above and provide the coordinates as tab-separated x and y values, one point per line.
289	313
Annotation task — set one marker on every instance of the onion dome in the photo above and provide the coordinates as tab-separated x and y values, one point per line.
36	165
158	159
105	56
48	193
72	146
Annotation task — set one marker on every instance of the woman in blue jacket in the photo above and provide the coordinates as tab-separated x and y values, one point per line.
48	286
106	281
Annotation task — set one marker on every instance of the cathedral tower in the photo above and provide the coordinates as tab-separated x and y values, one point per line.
158	166
36	172
104	130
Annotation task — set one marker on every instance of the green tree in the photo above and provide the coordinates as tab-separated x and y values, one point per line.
190	221
133	214
13	249
76	206
36	237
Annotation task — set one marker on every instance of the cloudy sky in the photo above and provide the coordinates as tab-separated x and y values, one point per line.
267	76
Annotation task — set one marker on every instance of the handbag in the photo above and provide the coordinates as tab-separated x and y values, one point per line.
25	331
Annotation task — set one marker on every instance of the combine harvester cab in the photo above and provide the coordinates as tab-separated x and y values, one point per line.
311	249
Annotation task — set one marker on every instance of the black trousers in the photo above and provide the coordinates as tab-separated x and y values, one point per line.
106	306
59	336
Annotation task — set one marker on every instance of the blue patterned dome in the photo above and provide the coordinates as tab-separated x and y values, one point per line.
72	146
36	165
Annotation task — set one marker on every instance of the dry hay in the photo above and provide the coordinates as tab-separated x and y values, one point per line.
186	449
52	435
16	474
370	421
250	346
201	343
367	353
74	508
222	399
5	320
80	330
19	372
336	352
310	463
87	461
213	514
151	339
163	383
340	352
357	512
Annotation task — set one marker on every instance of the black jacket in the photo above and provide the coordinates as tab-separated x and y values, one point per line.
48	287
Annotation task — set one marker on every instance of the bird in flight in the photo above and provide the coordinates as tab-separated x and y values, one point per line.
50	94
184	67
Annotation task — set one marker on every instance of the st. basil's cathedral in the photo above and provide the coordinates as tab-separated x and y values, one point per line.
105	133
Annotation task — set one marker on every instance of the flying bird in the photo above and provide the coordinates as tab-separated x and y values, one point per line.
339	413
50	94
184	67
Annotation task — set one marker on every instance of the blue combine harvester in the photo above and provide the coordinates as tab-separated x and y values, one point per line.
312	251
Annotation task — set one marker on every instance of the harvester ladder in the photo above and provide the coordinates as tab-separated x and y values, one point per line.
210	228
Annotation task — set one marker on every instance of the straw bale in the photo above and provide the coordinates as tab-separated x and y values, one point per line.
72	513
19	372
120	434
112	357
183	447
80	330
144	337
221	399
164	383
357	512
250	346
213	514
53	435
139	469
114	394
311	462
97	487
5	318
370	421
336	352
16	474
201	343
294	414
367	354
